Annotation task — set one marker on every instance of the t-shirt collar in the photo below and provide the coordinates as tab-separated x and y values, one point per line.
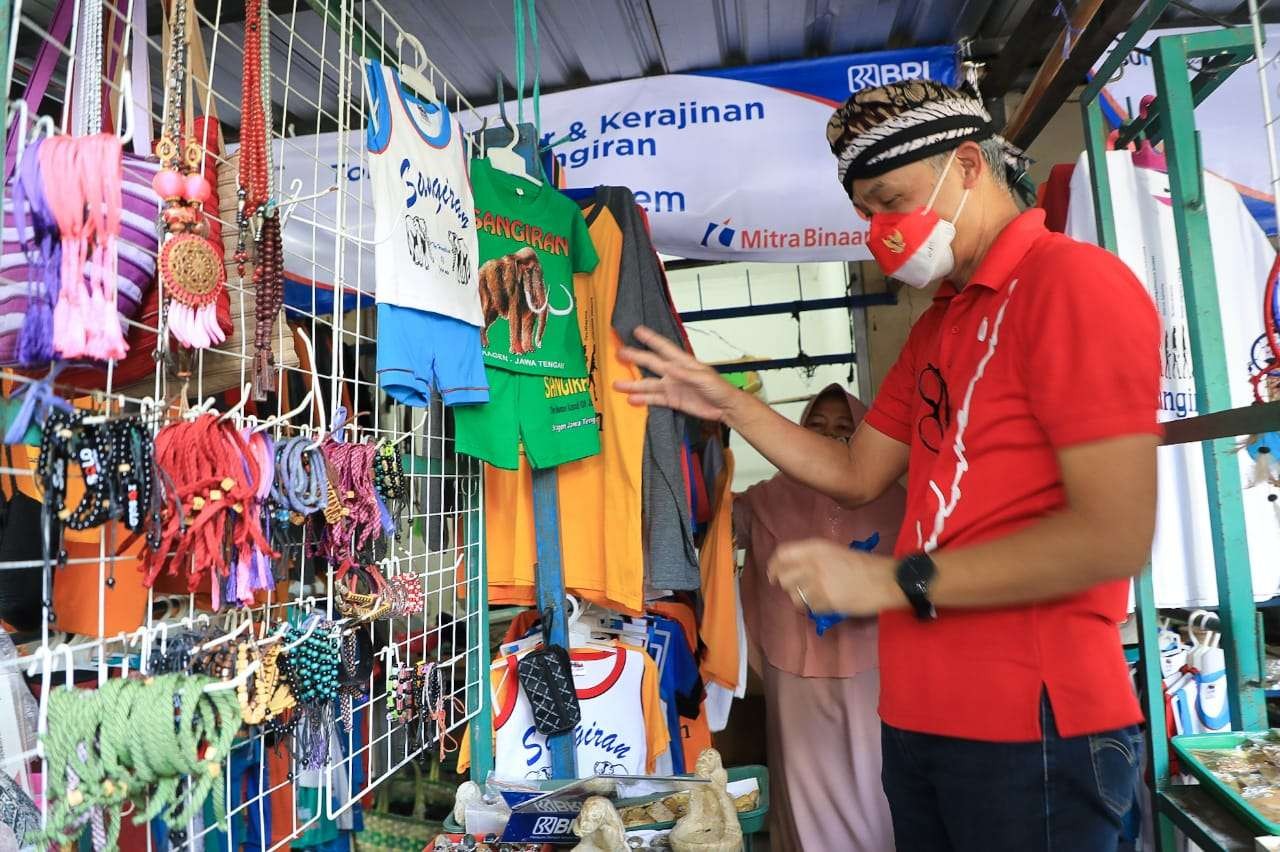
1008	250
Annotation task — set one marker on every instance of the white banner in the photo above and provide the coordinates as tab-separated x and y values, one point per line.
733	164
730	165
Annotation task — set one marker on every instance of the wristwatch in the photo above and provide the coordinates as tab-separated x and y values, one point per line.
914	574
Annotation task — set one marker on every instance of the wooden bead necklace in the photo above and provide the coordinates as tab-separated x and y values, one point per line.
255	210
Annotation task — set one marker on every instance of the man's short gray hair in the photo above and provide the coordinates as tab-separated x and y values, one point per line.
993	151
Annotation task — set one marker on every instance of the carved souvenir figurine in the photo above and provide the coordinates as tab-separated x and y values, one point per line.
711	825
600	827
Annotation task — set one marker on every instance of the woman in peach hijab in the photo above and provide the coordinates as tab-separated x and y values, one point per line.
823	734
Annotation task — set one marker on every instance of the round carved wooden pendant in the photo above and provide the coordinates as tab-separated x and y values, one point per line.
193	271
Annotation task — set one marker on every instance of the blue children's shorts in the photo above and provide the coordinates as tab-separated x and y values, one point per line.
419	351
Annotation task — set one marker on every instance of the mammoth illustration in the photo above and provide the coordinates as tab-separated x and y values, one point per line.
513	287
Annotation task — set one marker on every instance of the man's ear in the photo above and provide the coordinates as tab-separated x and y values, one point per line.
970	163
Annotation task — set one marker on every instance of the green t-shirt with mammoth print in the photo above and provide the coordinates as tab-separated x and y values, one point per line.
532	240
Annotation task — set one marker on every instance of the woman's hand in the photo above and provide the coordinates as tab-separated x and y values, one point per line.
829	578
680	381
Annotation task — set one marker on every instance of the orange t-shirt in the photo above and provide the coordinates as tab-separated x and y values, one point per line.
719	595
601	531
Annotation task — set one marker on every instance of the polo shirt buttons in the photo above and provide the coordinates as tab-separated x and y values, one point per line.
955	329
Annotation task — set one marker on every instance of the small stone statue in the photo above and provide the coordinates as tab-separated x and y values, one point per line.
600	827
711	825
468	792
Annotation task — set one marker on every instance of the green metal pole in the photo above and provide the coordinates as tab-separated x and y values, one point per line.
1145	20
1221	467
1095	137
1095	130
479	693
1153	697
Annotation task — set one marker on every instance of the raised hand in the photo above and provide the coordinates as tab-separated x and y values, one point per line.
680	381
826	577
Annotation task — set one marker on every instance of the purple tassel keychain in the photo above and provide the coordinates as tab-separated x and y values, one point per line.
44	259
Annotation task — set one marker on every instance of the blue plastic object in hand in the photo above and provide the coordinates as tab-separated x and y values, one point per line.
827	620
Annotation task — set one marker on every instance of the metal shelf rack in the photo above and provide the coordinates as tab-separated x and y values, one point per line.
1172	119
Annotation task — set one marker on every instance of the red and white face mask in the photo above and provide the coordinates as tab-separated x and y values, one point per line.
915	247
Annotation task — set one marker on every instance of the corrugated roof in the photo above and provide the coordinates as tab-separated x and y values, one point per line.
595	41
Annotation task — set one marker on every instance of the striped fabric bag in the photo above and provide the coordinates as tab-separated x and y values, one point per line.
139	242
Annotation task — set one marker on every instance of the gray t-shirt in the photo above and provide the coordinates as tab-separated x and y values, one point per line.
642	299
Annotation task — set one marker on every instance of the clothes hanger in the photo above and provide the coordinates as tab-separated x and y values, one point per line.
580	629
413	76
504	158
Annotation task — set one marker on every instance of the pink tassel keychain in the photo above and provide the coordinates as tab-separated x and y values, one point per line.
66	202
103	184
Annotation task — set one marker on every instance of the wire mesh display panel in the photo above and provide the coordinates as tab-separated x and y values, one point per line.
95	621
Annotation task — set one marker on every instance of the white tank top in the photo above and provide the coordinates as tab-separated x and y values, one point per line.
425	254
611	738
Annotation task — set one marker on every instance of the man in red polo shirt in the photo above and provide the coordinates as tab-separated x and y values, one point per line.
1023	411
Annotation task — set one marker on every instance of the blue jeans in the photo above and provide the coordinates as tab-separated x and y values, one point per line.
1062	794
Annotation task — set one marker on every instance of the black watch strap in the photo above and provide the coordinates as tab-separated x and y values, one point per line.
914	574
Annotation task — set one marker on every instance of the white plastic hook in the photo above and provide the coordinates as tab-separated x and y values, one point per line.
315	383
239	406
140	638
288	415
315	622
126	114
43	125
164	637
69	663
200	408
42	659
277	636
21	113
296	197
228	637
506	159
235	682
421	422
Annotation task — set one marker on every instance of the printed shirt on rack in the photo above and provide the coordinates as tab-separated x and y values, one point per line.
601	511
532	240
622	732
1182	552
1053	343
426	254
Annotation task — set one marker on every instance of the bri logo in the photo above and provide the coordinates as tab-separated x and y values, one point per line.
869	76
722	232
550	826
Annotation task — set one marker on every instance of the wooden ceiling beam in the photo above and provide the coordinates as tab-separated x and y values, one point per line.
1030	40
1096	24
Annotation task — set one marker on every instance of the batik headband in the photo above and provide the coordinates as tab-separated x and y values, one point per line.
881	129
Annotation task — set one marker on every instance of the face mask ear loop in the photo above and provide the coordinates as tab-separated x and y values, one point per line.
937	187
960	207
